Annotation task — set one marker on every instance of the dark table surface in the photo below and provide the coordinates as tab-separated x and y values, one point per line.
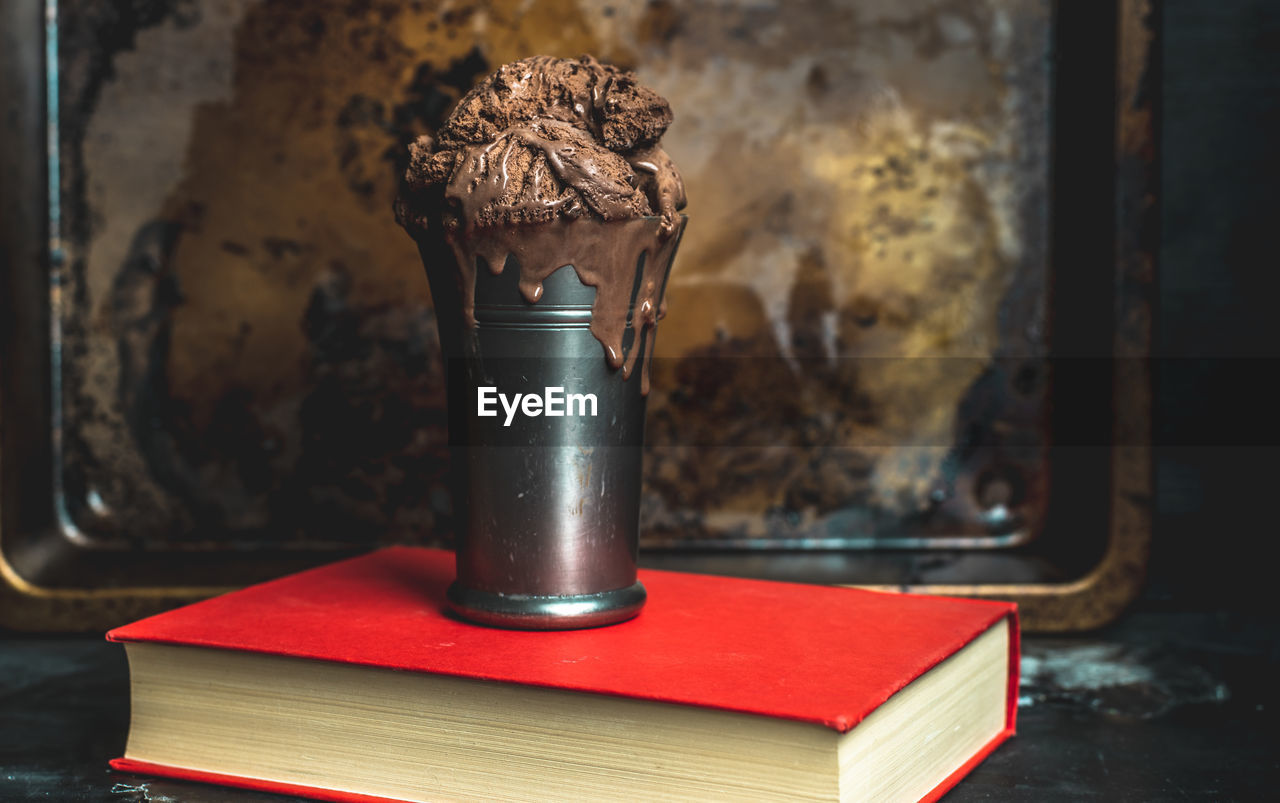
1163	705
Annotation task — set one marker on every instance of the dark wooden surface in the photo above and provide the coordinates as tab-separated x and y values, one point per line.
1164	706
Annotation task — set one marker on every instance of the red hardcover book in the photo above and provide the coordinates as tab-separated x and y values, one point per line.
351	683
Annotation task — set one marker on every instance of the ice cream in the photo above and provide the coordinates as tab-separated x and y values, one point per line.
555	162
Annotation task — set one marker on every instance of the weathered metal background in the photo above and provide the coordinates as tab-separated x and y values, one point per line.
853	354
881	366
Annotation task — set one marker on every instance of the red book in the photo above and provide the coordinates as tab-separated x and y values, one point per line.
350	682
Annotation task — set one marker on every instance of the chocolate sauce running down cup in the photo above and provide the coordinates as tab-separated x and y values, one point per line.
549	506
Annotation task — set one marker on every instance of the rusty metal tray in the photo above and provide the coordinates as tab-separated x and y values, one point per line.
909	323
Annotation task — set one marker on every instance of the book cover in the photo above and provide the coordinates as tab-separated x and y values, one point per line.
817	654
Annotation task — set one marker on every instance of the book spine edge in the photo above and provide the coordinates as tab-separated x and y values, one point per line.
1015	669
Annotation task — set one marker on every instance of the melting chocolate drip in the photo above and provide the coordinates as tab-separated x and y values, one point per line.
661	183
605	255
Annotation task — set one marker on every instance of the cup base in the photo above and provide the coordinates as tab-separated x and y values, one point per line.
533	612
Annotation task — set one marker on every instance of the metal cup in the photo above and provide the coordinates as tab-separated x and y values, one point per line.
547	506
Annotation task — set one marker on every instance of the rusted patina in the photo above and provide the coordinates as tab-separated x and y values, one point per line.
252	353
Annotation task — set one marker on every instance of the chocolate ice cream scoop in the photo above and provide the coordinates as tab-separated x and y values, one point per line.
556	162
546	138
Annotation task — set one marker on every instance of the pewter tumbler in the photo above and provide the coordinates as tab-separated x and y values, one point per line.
547	507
